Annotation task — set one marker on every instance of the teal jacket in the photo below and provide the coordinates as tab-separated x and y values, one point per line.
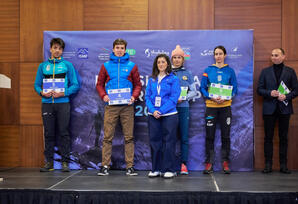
57	68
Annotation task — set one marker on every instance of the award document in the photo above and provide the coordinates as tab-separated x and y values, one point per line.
56	85
119	96
220	90
283	89
183	93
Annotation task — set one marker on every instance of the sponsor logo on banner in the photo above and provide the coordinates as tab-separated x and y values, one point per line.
207	53
186	53
69	54
154	53
234	53
131	52
82	53
104	54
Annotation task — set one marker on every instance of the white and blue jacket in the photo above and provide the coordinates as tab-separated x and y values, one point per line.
169	93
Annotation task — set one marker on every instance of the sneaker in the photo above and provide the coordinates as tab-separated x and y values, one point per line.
131	172
225	166
208	168
184	170
104	171
169	175
49	166
65	167
153	174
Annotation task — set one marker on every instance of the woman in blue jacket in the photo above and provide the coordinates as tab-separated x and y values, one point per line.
161	97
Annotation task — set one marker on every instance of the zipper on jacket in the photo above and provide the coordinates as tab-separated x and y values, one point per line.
53	100
118	72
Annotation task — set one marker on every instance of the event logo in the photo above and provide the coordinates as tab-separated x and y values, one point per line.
207	53
153	53
104	54
82	53
131	52
235	53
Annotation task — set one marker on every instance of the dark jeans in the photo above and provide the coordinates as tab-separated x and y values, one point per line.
183	114
162	134
283	127
224	116
56	126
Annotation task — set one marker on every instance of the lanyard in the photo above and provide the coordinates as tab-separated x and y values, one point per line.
158	83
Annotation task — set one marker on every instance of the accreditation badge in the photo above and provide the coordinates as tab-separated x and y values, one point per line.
157	101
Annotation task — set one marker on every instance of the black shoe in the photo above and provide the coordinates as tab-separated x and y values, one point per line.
104	171
267	169
65	167
285	170
49	166
131	172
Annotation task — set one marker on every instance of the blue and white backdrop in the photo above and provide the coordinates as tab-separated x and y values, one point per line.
88	50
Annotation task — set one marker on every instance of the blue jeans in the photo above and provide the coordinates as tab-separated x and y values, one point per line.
183	126
162	134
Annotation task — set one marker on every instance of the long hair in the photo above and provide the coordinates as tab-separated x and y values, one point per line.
155	70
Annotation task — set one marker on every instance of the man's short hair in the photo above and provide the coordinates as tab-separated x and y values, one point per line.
119	41
58	41
282	50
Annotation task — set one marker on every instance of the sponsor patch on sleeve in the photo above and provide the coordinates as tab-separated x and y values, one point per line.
205	74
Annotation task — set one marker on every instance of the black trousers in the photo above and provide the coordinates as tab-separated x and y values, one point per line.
283	127
56	126
212	116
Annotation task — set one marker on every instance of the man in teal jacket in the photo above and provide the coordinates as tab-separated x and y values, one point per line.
55	81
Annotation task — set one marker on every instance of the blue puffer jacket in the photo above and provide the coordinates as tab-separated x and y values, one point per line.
119	69
57	68
169	93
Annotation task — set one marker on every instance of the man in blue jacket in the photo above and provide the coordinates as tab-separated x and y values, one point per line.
55	81
278	86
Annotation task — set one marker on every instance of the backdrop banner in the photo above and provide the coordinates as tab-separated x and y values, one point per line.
88	50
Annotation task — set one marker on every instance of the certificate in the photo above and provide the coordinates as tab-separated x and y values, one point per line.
283	89
56	85
220	90
119	96
183	93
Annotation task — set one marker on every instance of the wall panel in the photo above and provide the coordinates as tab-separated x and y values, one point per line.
116	15
261	15
290	28
9	97
38	16
181	14
30	101
9	31
32	146
9	146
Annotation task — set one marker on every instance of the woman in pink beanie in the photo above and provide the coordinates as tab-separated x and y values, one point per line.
188	92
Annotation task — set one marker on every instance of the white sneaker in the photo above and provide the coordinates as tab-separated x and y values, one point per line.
169	175
153	174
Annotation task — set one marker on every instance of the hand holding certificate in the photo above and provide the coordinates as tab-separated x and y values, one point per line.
283	90
221	91
119	96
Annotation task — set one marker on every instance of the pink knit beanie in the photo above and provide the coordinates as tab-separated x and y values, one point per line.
178	51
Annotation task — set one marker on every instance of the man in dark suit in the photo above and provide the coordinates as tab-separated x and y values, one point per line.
278	86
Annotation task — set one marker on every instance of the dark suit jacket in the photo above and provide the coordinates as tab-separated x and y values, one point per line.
268	82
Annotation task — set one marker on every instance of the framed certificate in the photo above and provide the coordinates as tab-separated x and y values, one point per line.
56	85
220	90
119	96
